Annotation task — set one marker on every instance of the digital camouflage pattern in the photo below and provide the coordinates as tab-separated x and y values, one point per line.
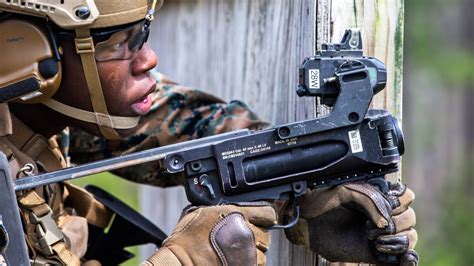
178	114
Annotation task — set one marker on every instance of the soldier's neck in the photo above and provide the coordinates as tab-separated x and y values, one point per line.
39	118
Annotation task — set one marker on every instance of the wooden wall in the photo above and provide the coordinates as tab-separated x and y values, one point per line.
250	50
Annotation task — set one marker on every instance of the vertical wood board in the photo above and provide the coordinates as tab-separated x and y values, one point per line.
381	25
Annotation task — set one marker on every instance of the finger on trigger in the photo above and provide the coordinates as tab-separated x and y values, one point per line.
262	237
260	216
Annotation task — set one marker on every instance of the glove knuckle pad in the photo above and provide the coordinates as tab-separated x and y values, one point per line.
233	240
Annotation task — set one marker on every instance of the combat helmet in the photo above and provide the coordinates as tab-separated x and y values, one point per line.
31	64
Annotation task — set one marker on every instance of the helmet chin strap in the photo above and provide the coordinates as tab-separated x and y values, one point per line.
102	120
100	115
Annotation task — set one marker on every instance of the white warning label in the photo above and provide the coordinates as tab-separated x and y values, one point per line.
356	142
313	78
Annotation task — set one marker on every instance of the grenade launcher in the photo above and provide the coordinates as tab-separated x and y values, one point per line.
351	143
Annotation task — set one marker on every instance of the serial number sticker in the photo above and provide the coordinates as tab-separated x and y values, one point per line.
313	78
356	142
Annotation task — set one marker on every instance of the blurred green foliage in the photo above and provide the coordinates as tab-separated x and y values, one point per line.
453	243
438	43
429	42
120	188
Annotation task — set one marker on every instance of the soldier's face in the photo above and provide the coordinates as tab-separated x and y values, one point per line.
126	84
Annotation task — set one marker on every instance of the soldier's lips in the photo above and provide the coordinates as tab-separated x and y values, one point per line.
142	106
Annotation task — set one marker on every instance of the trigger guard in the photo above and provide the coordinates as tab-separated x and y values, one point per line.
291	223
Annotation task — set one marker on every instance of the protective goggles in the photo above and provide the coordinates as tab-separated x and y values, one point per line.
119	43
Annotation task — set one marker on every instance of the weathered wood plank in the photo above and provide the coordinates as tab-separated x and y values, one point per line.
381	24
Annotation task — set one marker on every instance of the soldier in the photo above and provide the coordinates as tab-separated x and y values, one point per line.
86	64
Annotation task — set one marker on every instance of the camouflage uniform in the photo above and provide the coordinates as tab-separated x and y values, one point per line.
178	114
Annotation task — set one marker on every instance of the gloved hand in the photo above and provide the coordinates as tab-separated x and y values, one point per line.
356	223
218	235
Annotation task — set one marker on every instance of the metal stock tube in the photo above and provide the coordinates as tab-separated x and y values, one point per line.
292	161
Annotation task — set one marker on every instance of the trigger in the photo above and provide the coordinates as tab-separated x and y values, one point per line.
291	223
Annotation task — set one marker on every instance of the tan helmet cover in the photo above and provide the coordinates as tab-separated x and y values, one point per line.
113	13
72	14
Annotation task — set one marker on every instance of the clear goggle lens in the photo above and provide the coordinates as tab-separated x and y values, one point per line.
123	44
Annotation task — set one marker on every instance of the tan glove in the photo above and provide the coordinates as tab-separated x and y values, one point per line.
215	235
356	223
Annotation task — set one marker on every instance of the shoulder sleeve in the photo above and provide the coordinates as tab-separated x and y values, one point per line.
178	114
